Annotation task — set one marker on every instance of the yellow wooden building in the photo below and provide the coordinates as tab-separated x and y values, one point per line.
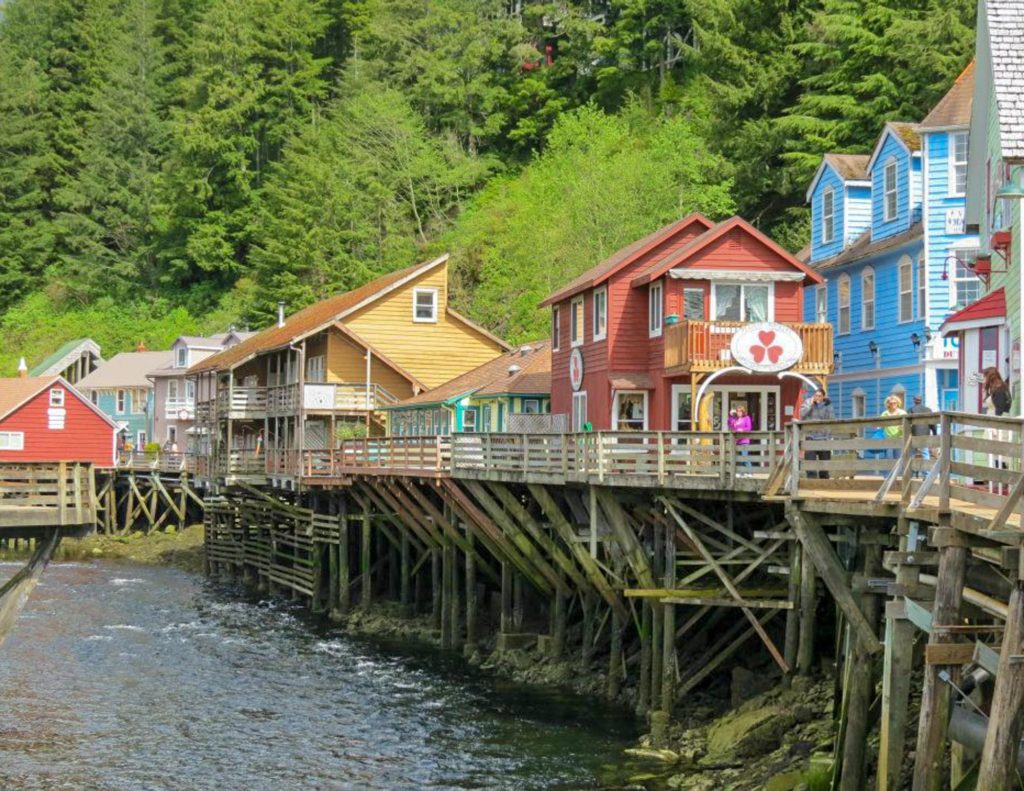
328	370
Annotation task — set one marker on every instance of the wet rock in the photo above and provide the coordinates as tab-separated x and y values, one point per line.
650	754
749	733
787	781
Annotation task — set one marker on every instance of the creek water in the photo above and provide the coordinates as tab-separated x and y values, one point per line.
134	677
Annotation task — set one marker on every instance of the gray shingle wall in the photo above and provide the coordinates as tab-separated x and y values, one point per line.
1006	34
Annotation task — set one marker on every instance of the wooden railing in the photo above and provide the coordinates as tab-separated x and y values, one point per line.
47	495
701	346
643	457
239	462
160	462
347	397
245	402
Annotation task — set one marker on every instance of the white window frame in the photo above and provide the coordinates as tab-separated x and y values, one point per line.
615	408
905	263
535	401
703	304
579	414
893	166
121	401
577	322
56	396
416	305
821	303
172	390
471	410
743	285
12	440
858	403
181	357
957	165
843	279
190	391
921	272
954	277
867	272
655	309
556	327
828	216
600	302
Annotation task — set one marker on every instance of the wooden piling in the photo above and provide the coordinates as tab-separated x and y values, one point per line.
435	588
506	597
472	607
791	641
615	656
405	562
932	725
344	591
1006	717
364	559
559	607
657	621
808	615
643	694
587	633
668	648
455	609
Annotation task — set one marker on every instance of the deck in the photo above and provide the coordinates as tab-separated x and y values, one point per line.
36	498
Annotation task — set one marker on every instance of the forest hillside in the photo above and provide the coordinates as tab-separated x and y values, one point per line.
171	166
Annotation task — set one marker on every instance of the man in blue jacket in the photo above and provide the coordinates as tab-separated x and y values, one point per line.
817	407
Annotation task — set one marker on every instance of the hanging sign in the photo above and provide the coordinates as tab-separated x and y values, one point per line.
576	369
766	347
955	221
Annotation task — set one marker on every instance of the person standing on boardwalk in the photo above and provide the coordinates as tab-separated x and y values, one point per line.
741	423
893	430
817	407
998	399
919	429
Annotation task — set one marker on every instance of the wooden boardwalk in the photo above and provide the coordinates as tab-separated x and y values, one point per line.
38	498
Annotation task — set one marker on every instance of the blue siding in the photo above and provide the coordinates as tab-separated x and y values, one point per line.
137	416
858	212
819	250
892	149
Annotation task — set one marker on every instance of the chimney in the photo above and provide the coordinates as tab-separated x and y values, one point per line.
280	313
22	369
141	347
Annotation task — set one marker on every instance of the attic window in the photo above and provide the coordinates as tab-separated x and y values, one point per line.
889	193
57	396
424	304
828	216
182	359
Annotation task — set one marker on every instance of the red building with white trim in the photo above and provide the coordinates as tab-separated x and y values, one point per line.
680	316
45	419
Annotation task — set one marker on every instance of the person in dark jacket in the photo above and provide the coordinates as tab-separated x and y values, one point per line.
817	407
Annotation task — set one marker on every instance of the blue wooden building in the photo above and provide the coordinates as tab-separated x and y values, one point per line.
888	235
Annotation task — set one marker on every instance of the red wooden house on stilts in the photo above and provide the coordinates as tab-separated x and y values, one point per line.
696	313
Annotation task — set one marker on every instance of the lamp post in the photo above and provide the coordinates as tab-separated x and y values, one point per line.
876	353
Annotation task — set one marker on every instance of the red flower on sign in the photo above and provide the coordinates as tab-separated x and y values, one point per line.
766	349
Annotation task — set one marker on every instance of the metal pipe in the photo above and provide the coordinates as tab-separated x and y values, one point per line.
969	729
972	596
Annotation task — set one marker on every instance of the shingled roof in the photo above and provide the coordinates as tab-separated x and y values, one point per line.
863	246
1006	43
954	109
522	371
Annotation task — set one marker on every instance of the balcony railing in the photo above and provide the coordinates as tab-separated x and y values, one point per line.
283	400
175	407
704	346
245	402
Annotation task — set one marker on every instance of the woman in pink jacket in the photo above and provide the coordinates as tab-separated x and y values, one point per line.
741	423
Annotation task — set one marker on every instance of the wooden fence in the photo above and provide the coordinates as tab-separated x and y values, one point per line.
47	495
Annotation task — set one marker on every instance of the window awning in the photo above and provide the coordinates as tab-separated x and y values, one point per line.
738	275
989	311
631	381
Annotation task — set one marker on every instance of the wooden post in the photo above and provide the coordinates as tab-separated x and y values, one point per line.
344	592
455	612
668	661
808	617
364	563
1006	718
558	624
931	728
657	621
405	561
518	601
587	639
446	595
862	687
792	637
435	588
471	598
615	656
506	597
643	694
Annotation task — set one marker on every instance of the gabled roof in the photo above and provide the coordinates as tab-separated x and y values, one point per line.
849	167
1006	43
323	314
497	377
686	252
61	358
128	369
863	246
19	390
904	133
625	256
988	311
953	109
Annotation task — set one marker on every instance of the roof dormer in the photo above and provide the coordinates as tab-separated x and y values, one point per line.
840	199
895	173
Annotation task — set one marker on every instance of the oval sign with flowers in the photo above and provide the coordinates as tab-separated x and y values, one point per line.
766	347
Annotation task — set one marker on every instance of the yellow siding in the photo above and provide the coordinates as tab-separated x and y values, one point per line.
432	352
346	363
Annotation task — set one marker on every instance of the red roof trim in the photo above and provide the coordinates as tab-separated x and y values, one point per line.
596	277
990	306
710	236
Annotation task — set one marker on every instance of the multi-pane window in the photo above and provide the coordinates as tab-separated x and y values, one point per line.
12	440
123	401
655	308
485	417
57	396
531	406
742	302
821	304
964	286
182	357
867	286
576	321
693	304
600	313
859	405
958	162
844	304
922	286
424	304
556	328
469	420
828	216
889	191
906	284
630	410
579	411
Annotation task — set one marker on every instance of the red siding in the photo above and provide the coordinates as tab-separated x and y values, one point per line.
86	436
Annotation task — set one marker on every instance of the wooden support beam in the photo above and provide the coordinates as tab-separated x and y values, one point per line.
723	648
635	555
817	548
1006	717
935	696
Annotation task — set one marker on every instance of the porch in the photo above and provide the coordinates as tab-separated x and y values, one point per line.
705	347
